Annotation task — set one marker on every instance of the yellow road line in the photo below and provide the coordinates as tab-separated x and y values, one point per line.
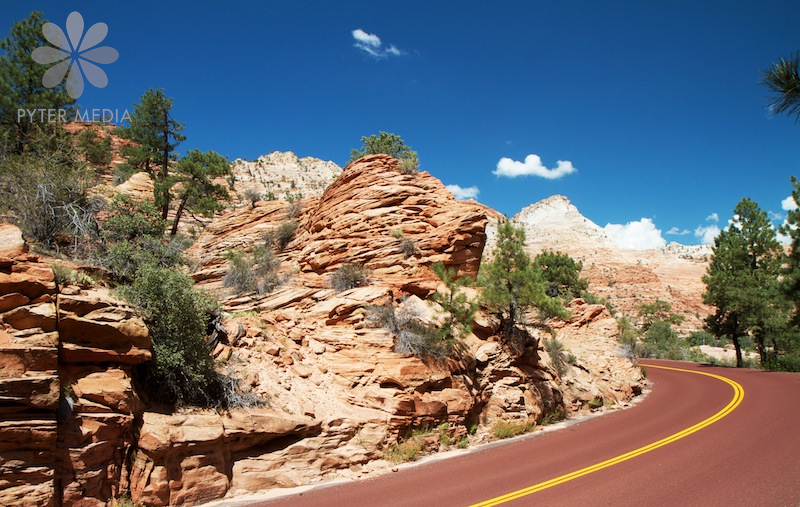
738	396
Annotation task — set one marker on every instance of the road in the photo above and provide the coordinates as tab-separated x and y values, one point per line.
695	440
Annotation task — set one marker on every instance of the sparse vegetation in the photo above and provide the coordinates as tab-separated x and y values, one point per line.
252	195
555	349
509	429
65	275
254	272
349	276
47	190
413	336
282	235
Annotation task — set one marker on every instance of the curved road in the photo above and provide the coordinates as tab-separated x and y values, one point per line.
742	448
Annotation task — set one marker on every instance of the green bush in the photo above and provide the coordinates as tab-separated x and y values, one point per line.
392	145
131	219
509	429
182	371
125	258
561	273
97	151
349	276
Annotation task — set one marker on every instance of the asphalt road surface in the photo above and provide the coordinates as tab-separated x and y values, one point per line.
705	436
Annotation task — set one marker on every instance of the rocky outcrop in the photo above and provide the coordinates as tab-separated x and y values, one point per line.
189	458
66	387
319	354
282	173
29	384
100	340
601	374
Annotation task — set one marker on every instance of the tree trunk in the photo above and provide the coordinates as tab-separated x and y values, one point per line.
762	349
178	214
738	346
165	170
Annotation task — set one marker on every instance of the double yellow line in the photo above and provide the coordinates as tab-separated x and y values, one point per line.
738	396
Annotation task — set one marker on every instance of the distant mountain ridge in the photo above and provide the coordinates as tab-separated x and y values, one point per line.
626	278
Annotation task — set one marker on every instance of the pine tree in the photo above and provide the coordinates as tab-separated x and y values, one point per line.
742	280
194	175
156	134
390	144
21	82
511	284
459	309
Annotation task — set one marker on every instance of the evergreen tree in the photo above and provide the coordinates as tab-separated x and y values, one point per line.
783	78
511	284
562	274
657	311
21	82
195	175
742	280
156	134
387	143
459	309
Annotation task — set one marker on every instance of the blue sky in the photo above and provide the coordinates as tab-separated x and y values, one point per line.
654	108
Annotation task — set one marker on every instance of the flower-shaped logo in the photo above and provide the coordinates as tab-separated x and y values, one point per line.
75	53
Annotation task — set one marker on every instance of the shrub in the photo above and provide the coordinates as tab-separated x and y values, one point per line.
402	452
123	173
252	195
131	219
389	144
65	275
408	247
561	273
125	258
294	208
182	371
97	151
408	165
556	351
349	276
281	236
509	429
46	189
257	272
412	336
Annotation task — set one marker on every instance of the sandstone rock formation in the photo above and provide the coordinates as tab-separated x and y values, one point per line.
29	385
68	399
317	354
626	278
285	173
335	393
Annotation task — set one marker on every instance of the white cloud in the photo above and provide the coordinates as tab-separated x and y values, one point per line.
706	235
788	204
532	167
678	232
775	216
714	217
463	193
639	235
371	44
